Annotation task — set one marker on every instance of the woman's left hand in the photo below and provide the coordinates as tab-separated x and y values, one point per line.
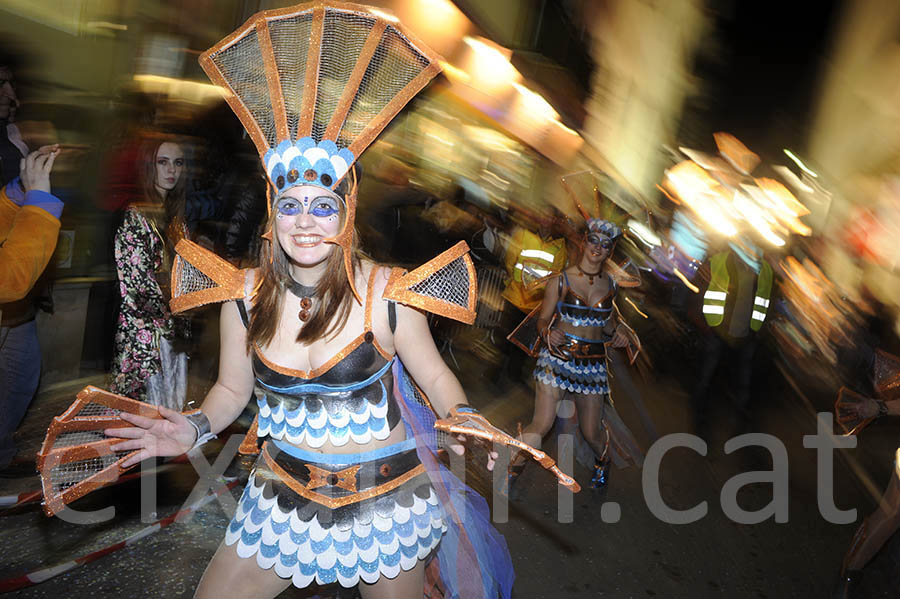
459	448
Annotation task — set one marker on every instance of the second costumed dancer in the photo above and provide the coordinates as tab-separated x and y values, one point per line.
576	322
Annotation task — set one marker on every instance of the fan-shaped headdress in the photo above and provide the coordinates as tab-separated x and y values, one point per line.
314	85
605	207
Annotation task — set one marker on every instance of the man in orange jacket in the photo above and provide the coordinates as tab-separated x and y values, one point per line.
29	227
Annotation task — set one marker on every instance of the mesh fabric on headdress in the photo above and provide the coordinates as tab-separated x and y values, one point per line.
597	195
328	71
76	456
200	277
446	285
314	85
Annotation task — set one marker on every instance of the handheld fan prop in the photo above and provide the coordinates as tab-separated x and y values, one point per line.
476	425
846	414
885	380
526	335
76	456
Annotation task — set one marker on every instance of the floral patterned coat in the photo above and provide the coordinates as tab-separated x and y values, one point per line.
144	314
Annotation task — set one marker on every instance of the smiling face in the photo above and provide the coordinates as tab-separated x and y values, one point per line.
307	215
169	167
597	247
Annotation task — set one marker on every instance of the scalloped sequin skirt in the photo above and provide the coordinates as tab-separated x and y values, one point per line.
351	518
578	375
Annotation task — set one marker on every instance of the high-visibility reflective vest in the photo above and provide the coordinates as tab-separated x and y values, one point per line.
529	259
716	296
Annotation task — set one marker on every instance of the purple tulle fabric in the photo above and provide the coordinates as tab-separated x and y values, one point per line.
473	557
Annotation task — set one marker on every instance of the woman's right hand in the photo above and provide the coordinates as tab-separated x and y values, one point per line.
170	435
34	169
555	337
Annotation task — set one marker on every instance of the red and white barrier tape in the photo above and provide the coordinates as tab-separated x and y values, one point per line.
7	502
37	576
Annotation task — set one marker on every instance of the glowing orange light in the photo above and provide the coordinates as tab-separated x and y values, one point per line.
687	283
384	15
698	190
490	67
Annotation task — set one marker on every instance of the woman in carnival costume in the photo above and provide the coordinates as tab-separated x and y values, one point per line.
347	488
576	322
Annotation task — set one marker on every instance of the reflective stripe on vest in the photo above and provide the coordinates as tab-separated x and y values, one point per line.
534	263
763	294
717	293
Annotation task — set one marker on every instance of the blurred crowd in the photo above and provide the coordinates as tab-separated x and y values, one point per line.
741	264
189	171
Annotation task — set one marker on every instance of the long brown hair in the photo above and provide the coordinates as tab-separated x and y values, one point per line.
333	298
173	202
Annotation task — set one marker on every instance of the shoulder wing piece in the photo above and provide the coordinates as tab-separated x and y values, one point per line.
200	277
446	285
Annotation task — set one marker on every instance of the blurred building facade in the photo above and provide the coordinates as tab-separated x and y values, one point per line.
644	52
854	143
487	133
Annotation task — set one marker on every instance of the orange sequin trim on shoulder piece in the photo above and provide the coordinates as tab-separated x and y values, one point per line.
526	335
446	285
369	293
200	277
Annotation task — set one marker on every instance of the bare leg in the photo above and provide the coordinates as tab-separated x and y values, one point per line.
229	575
546	401
590	412
406	584
876	529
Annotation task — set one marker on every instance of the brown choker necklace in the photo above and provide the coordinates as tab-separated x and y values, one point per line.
304	292
589	275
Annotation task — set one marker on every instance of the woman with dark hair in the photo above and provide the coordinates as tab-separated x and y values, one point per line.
145	329
576	321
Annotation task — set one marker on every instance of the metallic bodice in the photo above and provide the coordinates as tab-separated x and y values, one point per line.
574	310
351	400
